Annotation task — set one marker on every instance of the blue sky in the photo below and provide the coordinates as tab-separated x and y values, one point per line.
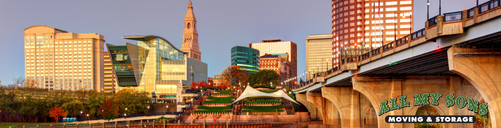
221	24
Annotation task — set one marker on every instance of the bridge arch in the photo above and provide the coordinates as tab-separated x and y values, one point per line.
482	71
301	98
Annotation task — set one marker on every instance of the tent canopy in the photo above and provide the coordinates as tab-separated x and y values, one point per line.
250	92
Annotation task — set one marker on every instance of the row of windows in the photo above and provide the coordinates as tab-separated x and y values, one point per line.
48	75
387	3
41	64
40	40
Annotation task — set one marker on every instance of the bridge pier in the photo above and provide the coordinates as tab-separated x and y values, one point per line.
482	70
317	100
347	101
301	98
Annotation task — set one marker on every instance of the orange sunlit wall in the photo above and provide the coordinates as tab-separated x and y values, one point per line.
359	24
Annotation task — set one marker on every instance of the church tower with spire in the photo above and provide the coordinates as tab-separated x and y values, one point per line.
190	35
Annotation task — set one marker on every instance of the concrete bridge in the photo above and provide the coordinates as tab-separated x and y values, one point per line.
456	53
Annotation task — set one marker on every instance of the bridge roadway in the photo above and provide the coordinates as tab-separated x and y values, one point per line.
456	53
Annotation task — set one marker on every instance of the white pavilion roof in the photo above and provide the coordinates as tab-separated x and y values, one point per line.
250	92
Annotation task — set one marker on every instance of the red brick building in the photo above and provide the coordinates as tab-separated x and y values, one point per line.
278	63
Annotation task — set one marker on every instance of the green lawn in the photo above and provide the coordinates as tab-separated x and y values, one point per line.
262	101
219	100
225	92
268	91
263	108
213	109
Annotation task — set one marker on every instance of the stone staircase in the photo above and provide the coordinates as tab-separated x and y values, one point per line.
183	117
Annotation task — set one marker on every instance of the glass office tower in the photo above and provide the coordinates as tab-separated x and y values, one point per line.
245	57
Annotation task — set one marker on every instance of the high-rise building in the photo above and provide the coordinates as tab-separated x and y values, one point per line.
358	25
245	57
278	63
59	60
190	35
277	46
318	53
109	75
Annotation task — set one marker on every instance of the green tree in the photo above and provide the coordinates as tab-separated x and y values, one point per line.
263	78
73	108
108	110
134	101
28	108
81	95
94	102
8	102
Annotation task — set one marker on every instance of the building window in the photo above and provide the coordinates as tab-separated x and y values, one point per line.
192	75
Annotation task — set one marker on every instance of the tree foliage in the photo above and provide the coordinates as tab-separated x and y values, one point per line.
34	104
94	102
108	110
234	76
73	108
56	112
427	111
201	84
263	78
134	101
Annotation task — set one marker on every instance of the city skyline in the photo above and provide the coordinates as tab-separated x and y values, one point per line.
221	26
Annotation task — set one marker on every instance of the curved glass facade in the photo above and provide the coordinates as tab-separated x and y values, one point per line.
245	57
153	65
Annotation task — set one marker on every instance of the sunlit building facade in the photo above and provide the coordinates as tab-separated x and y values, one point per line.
277	46
245	57
216	79
59	60
109	75
358	25
318	53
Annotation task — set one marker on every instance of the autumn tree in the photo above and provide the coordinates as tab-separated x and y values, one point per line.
199	85
56	112
234	76
264	78
194	85
108	110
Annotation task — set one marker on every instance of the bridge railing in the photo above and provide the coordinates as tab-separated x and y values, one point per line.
403	40
418	34
470	12
453	16
359	56
432	21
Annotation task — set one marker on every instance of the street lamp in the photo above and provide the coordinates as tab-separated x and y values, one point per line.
125	115
327	64
410	17
88	119
427	9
